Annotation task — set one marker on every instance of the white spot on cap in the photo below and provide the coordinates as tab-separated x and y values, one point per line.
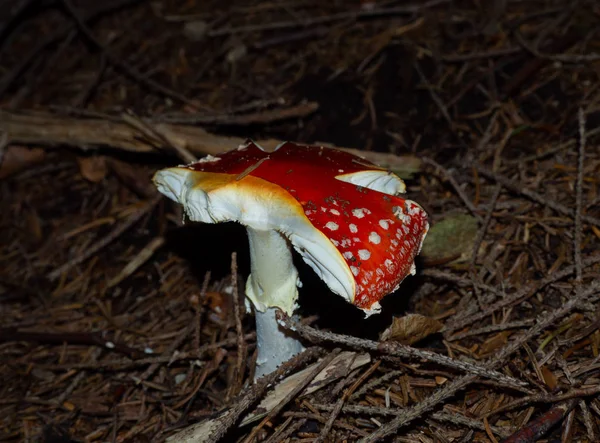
334	211
374	238
207	159
384	224
334	241
413	268
400	215
354	270
388	264
358	213
346	243
348	255
412	207
332	226
340	171
353	228
364	254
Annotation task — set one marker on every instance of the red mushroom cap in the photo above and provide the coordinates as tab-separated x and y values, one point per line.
370	233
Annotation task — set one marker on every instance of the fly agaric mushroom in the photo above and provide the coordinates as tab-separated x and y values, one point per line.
339	211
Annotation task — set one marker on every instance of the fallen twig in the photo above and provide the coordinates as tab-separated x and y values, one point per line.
51	130
260	117
398	350
519	189
212	430
460	383
109	238
538	427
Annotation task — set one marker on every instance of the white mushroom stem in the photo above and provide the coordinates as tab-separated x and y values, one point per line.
272	284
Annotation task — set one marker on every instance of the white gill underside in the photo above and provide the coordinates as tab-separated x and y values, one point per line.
261	213
382	181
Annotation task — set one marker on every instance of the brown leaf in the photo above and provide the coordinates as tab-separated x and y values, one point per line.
411	328
549	378
494	342
93	168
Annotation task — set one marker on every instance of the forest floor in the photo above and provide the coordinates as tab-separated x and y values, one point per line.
120	322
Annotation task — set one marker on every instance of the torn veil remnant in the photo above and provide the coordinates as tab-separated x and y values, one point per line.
342	214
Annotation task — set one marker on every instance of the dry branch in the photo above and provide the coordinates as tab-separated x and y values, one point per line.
51	130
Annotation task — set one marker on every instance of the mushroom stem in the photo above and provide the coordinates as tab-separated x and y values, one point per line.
272	284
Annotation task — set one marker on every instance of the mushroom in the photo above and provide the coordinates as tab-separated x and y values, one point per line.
341	213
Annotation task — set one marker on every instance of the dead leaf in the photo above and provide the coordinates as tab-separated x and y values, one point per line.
411	328
18	158
93	168
493	343
450	239
549	378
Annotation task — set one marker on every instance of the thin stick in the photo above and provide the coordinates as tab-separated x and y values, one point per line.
353	14
484	226
491	328
437	100
109	238
285	430
456	419
547	398
520	189
148	130
168	352
466	200
237	310
579	198
261	117
564	58
197	310
164	358
340	403
377	381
